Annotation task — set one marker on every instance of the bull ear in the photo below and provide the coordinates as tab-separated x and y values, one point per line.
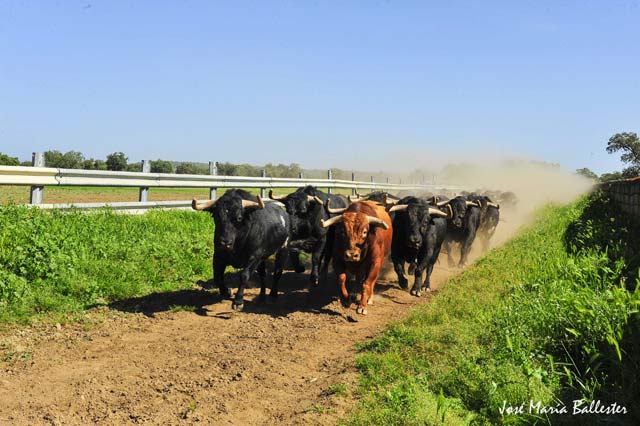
374	221
436	212
336	210
332	221
397	208
204	206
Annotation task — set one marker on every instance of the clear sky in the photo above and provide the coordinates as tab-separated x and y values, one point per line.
320	83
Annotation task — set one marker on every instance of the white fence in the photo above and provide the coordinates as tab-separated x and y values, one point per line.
40	177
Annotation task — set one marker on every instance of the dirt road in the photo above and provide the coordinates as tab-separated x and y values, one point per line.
144	362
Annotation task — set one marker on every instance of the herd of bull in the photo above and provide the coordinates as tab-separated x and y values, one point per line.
355	233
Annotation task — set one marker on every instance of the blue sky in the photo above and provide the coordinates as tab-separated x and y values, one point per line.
320	83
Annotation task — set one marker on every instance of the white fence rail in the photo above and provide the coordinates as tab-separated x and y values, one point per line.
40	177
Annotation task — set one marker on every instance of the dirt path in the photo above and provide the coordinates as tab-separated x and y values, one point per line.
146	363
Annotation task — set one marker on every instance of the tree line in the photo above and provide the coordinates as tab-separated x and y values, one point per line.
626	143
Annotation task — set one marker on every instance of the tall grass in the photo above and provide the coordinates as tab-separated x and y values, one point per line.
550	317
53	261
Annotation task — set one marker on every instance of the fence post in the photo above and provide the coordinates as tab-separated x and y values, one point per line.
37	192
263	191
300	175
330	177
213	171
144	190
354	191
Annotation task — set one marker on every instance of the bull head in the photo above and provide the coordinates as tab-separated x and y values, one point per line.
373	221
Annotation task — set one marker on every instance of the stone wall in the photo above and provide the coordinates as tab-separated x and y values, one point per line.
626	193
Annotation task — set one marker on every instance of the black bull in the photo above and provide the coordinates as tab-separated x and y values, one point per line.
418	233
247	232
307	207
461	227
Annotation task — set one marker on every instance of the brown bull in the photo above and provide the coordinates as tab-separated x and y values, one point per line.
363	241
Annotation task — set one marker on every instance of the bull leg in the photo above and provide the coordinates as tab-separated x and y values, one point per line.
368	286
316	257
449	246
398	266
278	266
238	301
219	267
341	273
294	256
261	275
432	261
464	252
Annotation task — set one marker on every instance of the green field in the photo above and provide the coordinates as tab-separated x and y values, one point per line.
551	316
60	263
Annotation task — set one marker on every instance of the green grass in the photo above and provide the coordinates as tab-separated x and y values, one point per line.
551	317
64	262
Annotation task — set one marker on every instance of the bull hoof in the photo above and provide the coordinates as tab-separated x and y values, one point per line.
370	301
361	310
415	292
237	306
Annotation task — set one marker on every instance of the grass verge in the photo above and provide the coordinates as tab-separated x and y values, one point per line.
63	262
550	317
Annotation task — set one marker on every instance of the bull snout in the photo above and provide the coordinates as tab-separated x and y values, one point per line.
414	241
352	255
226	244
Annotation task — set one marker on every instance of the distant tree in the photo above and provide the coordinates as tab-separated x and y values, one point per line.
587	173
161	166
134	167
606	177
629	144
5	160
68	160
26	163
116	161
191	169
100	165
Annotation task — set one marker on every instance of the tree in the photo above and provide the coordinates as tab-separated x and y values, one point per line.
606	177
587	173
629	144
191	169
134	167
117	161
68	160
161	166
5	160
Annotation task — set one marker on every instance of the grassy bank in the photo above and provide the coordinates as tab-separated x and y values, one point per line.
53	262
551	316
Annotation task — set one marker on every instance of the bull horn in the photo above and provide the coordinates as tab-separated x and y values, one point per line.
397	208
387	200
377	221
332	221
247	204
436	212
336	210
354	199
497	206
276	197
204	206
474	204
442	203
314	198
